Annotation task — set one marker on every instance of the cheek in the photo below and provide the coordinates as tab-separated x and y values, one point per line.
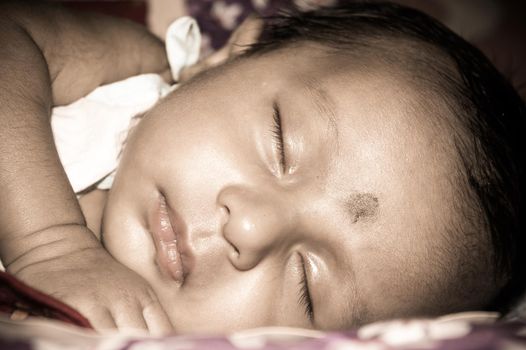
124	232
172	134
234	301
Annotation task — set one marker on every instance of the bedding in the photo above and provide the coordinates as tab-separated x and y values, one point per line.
89	133
32	320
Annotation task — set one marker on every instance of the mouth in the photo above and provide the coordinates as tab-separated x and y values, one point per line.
166	228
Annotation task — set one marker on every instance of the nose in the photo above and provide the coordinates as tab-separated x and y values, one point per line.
258	222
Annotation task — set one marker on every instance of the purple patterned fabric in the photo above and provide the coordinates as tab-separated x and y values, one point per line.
412	335
439	334
217	19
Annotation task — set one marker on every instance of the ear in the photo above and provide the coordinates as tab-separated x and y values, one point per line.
244	36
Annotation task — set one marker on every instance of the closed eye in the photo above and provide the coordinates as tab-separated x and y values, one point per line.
305	299
277	136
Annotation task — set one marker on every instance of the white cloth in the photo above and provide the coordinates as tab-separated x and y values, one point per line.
89	133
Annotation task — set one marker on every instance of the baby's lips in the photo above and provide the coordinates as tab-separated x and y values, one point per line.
169	259
165	237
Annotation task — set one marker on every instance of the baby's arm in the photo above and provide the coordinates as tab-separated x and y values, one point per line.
50	57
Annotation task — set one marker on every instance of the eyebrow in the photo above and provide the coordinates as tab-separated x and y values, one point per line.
359	205
355	311
324	106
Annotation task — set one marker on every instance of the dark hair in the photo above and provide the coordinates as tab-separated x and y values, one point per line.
488	115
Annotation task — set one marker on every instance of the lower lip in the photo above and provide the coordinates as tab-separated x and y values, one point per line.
166	242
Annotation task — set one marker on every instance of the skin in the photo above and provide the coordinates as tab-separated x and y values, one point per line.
364	197
52	57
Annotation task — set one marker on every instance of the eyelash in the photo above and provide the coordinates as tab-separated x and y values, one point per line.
277	135
304	294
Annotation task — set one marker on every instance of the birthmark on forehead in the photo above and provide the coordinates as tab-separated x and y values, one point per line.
363	206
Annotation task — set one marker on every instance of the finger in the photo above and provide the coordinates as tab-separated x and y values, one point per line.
214	59
167	76
157	319
130	318
217	57
188	72
245	35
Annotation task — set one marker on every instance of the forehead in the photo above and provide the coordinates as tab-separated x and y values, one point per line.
364	100
383	133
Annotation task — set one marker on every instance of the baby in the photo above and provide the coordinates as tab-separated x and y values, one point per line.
355	164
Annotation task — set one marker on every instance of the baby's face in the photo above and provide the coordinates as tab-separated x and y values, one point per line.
355	201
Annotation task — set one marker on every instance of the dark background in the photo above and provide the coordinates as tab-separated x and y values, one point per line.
497	27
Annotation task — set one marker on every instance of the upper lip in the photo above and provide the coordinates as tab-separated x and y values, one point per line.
173	253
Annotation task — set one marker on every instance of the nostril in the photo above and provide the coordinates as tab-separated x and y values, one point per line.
225	217
235	253
234	256
225	212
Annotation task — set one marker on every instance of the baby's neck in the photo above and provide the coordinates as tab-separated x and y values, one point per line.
92	205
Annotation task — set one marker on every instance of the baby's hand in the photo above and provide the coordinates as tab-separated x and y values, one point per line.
107	293
244	36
